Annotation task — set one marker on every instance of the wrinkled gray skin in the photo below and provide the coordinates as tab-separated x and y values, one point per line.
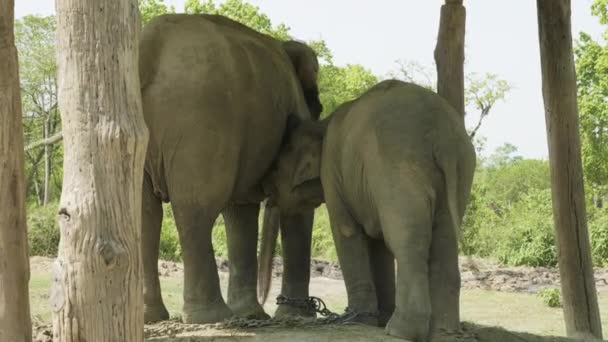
396	171
216	98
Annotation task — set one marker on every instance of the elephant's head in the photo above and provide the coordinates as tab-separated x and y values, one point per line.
294	190
294	182
306	65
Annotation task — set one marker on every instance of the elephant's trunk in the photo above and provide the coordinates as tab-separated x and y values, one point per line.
270	232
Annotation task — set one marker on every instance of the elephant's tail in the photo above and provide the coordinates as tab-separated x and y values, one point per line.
458	169
270	232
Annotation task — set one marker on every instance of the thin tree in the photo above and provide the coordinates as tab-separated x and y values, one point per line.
97	292
15	323
581	311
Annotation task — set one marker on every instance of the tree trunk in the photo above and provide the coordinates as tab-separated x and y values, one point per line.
449	54
581	311
47	163
15	323
97	292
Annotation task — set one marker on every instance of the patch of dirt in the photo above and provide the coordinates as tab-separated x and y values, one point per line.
475	273
42	332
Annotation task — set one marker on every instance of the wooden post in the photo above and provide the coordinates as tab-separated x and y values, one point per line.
97	292
581	311
449	54
15	323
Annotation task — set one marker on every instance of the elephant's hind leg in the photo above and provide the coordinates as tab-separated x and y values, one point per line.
407	232
242	234
203	302
383	268
152	216
352	246
444	275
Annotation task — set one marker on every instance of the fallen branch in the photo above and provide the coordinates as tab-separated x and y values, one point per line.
48	141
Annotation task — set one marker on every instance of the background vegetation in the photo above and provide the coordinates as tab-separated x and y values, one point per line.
509	217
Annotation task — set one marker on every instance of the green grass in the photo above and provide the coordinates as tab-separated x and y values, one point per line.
513	311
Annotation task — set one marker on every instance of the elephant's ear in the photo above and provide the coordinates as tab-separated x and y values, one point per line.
306	65
304	61
307	169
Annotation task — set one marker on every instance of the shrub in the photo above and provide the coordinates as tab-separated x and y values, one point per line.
43	230
551	297
169	248
527	235
322	240
598	227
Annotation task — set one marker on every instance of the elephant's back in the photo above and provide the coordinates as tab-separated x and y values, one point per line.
213	92
394	126
401	118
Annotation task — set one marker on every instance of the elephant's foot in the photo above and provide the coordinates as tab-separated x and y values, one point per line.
384	317
412	327
249	310
285	310
206	313
155	313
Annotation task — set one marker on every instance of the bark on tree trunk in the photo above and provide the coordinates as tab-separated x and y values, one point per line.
97	292
47	163
581	311
15	324
449	54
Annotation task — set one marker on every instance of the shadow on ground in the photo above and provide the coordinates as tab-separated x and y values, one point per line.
340	333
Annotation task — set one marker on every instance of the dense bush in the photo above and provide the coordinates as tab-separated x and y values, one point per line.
509	216
43	230
526	235
598	226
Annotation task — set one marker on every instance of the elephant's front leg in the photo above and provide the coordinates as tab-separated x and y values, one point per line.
203	302
242	234
296	239
152	217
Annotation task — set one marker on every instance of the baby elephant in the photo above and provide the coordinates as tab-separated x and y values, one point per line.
396	167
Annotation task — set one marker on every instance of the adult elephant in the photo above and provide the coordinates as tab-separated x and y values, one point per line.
216	96
396	167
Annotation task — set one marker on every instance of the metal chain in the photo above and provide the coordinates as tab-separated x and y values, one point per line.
310	304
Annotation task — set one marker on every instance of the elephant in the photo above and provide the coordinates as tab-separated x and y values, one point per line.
216	96
395	168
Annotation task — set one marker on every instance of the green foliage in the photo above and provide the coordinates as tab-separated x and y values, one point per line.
527	236
35	41
483	91
322	241
240	11
599	8
551	297
592	68
43	230
340	84
509	216
153	8
598	227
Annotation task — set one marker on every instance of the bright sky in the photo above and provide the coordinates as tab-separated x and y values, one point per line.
501	38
